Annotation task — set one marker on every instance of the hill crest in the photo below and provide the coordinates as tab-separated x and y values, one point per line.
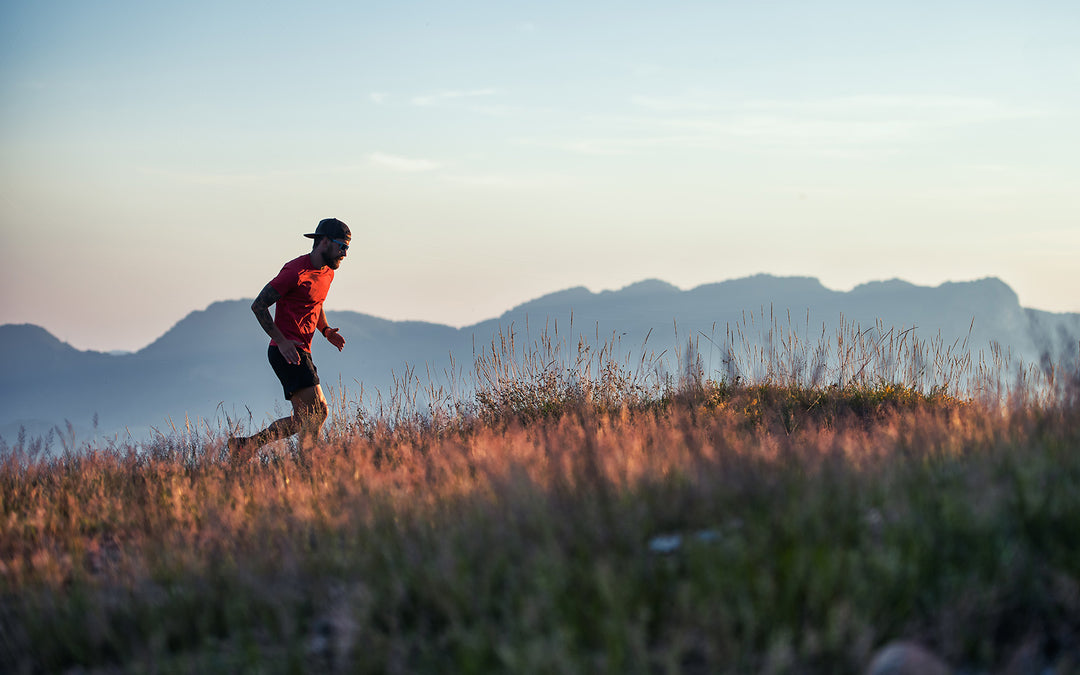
212	362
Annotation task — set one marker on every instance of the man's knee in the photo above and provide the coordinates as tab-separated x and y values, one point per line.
314	414
319	412
309	406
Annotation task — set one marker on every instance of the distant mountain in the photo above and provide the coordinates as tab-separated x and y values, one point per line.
212	363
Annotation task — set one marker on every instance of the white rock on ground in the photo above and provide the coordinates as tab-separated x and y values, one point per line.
906	658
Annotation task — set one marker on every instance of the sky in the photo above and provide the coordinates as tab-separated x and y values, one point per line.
158	157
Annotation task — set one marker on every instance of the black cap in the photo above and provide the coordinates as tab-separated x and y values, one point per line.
331	228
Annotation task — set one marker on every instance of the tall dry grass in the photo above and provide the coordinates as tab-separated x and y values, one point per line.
577	515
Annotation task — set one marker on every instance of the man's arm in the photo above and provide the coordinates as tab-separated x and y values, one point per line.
261	308
331	334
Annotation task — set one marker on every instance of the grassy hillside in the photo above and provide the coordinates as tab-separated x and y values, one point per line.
575	515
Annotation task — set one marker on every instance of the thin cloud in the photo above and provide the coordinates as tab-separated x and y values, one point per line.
622	145
680	104
498	182
927	109
838	126
399	163
378	97
241	178
443	97
923	110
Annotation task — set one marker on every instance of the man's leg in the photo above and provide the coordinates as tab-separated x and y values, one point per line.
309	412
309	409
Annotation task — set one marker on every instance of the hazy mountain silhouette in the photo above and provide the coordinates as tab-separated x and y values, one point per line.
213	362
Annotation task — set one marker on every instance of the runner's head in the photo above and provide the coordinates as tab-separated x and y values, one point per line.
331	228
332	239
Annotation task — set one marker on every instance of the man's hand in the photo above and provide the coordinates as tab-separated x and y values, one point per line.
334	337
289	352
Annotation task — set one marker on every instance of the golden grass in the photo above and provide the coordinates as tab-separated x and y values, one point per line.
514	534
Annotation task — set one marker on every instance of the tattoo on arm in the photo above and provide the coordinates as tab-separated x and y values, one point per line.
261	308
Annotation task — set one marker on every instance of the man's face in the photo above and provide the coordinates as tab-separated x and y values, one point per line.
335	252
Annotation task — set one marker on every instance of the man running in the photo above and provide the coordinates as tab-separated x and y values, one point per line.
299	291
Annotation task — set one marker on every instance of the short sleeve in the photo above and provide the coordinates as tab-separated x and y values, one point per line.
286	280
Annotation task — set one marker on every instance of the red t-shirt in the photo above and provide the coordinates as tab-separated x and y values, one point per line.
302	288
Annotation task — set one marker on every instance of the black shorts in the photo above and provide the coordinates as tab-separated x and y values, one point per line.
293	378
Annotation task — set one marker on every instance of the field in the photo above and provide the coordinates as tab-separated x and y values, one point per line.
576	514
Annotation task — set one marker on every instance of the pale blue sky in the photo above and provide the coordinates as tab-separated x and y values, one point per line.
156	159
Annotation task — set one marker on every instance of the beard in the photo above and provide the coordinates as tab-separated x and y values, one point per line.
334	263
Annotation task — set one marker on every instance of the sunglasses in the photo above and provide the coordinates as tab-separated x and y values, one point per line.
342	245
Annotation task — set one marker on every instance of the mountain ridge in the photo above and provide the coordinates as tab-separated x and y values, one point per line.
212	362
